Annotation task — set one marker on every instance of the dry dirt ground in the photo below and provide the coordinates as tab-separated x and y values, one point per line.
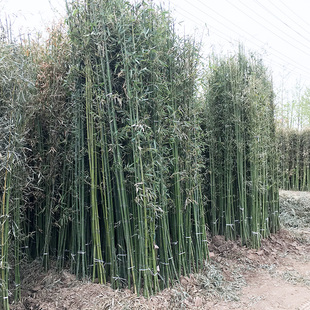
275	277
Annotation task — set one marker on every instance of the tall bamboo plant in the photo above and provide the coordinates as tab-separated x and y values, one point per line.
135	85
293	146
15	90
34	156
240	149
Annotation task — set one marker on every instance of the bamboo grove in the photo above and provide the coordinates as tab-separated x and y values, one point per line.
241	155
134	90
119	158
294	149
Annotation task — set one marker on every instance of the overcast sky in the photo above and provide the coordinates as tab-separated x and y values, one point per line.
278	29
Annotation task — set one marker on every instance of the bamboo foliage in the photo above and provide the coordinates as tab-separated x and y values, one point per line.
294	169
31	155
110	163
13	117
240	149
48	157
138	82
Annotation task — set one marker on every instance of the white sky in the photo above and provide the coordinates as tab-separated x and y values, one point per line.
26	15
278	29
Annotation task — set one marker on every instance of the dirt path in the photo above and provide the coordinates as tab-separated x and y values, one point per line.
284	281
283	291
275	277
283	287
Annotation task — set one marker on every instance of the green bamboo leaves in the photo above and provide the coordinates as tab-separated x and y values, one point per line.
294	147
241	149
136	91
13	96
113	166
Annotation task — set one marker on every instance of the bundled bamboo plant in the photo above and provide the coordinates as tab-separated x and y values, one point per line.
109	167
35	124
241	170
15	91
293	147
139	198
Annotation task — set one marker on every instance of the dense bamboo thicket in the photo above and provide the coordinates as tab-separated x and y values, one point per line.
241	155
34	125
15	90
294	150
138	215
49	153
100	157
107	166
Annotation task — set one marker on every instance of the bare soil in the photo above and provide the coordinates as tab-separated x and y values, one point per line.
277	276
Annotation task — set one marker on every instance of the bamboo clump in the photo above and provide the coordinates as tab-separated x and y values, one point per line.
138	83
111	183
116	160
294	166
241	158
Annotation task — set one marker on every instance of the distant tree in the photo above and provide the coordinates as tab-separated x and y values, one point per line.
305	109
294	113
